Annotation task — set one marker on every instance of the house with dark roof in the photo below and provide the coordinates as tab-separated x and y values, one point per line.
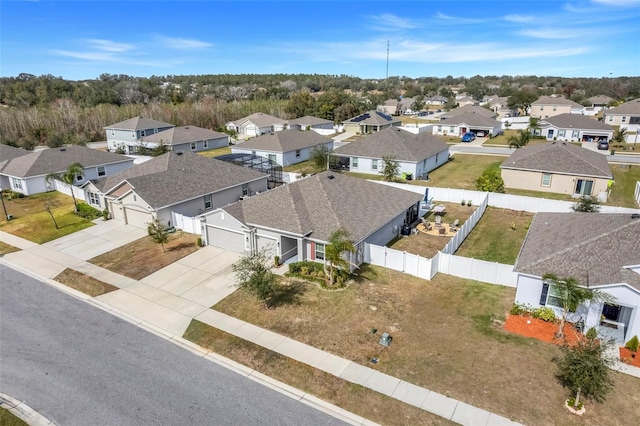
173	183
468	109
309	122
549	106
559	167
397	106
626	115
573	128
256	124
26	173
295	221
475	122
186	138
8	153
370	122
601	251
435	100
416	154
285	148
126	135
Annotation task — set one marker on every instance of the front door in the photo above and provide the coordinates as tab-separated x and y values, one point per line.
550	134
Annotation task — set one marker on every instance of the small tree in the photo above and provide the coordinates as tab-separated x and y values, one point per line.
585	368
571	296
49	205
619	136
68	178
490	180
586	204
253	274
158	232
319	156
519	140
390	168
338	245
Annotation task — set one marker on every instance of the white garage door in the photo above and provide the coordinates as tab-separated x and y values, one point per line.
227	240
267	244
138	218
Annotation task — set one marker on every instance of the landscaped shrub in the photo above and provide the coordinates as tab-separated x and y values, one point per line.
632	344
592	333
520	309
544	313
314	271
88	212
13	194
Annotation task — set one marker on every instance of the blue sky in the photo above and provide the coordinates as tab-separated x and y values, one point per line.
81	40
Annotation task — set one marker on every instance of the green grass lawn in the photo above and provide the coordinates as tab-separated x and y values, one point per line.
8	419
463	170
33	223
216	152
625	177
539	194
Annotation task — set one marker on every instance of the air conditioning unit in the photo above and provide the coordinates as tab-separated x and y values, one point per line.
244	197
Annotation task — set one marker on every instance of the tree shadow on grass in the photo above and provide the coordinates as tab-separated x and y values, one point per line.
288	293
179	247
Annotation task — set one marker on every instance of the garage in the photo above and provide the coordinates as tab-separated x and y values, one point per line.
137	218
226	239
270	245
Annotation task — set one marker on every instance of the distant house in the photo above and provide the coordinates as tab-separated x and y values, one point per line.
187	138
27	173
8	153
600	101
558	167
176	182
458	125
468	109
626	115
295	221
370	122
416	154
500	106
436	100
284	148
465	100
126	135
308	122
573	128
549	106
256	124
601	251
397	107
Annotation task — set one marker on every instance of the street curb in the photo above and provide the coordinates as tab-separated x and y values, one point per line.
23	411
227	363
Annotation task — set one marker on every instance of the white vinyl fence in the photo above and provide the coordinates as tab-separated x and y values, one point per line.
636	194
408	263
65	189
188	224
466	228
479	270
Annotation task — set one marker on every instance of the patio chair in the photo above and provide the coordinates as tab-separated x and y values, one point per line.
438	220
442	231
455	225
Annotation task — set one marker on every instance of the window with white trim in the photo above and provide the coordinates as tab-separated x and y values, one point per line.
207	201
17	183
624	119
561	133
551	296
374	164
576	133
193	146
102	171
94	199
354	162
245	189
155	131
297	153
142	134
546	179
79	178
319	251
583	187
205	144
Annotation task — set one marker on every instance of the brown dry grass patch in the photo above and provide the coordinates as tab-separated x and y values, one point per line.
84	283
357	399
445	340
7	248
143	257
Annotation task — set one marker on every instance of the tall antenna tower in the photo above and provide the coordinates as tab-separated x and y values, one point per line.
387	59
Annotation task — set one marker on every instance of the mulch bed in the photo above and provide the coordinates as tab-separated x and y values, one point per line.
541	330
625	356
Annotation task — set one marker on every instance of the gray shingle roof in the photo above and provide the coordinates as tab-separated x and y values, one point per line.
471	119
559	157
56	160
631	107
574	121
600	100
396	142
184	134
284	141
138	123
373	118
260	119
319	205
469	109
8	153
555	100
309	120
591	247
175	177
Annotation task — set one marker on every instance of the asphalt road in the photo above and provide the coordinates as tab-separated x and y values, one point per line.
78	365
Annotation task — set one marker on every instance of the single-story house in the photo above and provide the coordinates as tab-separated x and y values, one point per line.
626	115
600	101
285	147
295	221
27	173
573	128
8	153
465	100
458	125
256	124
308	122
126	134
549	106
187	138
601	251
558	167
500	106
175	182
416	154
435	100
468	109
390	106
370	122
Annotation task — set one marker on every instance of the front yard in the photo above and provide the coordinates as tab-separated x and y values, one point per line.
447	337
32	222
625	177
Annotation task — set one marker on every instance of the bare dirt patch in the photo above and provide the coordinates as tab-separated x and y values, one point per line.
84	283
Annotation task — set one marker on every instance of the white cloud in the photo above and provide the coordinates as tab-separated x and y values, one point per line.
389	22
458	20
183	43
89	56
108	45
553	33
519	18
624	3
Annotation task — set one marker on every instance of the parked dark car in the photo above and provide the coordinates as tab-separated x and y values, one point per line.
603	145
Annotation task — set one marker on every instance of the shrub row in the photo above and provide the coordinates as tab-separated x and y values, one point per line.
544	313
314	271
88	212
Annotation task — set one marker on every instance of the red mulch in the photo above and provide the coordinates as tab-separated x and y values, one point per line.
625	356
541	330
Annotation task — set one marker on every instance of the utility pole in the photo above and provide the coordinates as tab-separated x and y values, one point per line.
387	60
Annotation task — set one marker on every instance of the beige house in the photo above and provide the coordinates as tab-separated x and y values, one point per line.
626	115
558	167
549	106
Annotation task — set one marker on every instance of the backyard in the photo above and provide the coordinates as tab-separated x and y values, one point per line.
463	170
447	337
32	222
216	152
625	177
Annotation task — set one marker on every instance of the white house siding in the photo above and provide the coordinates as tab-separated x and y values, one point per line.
120	138
135	211
289	158
222	230
416	169
388	231
211	144
572	135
